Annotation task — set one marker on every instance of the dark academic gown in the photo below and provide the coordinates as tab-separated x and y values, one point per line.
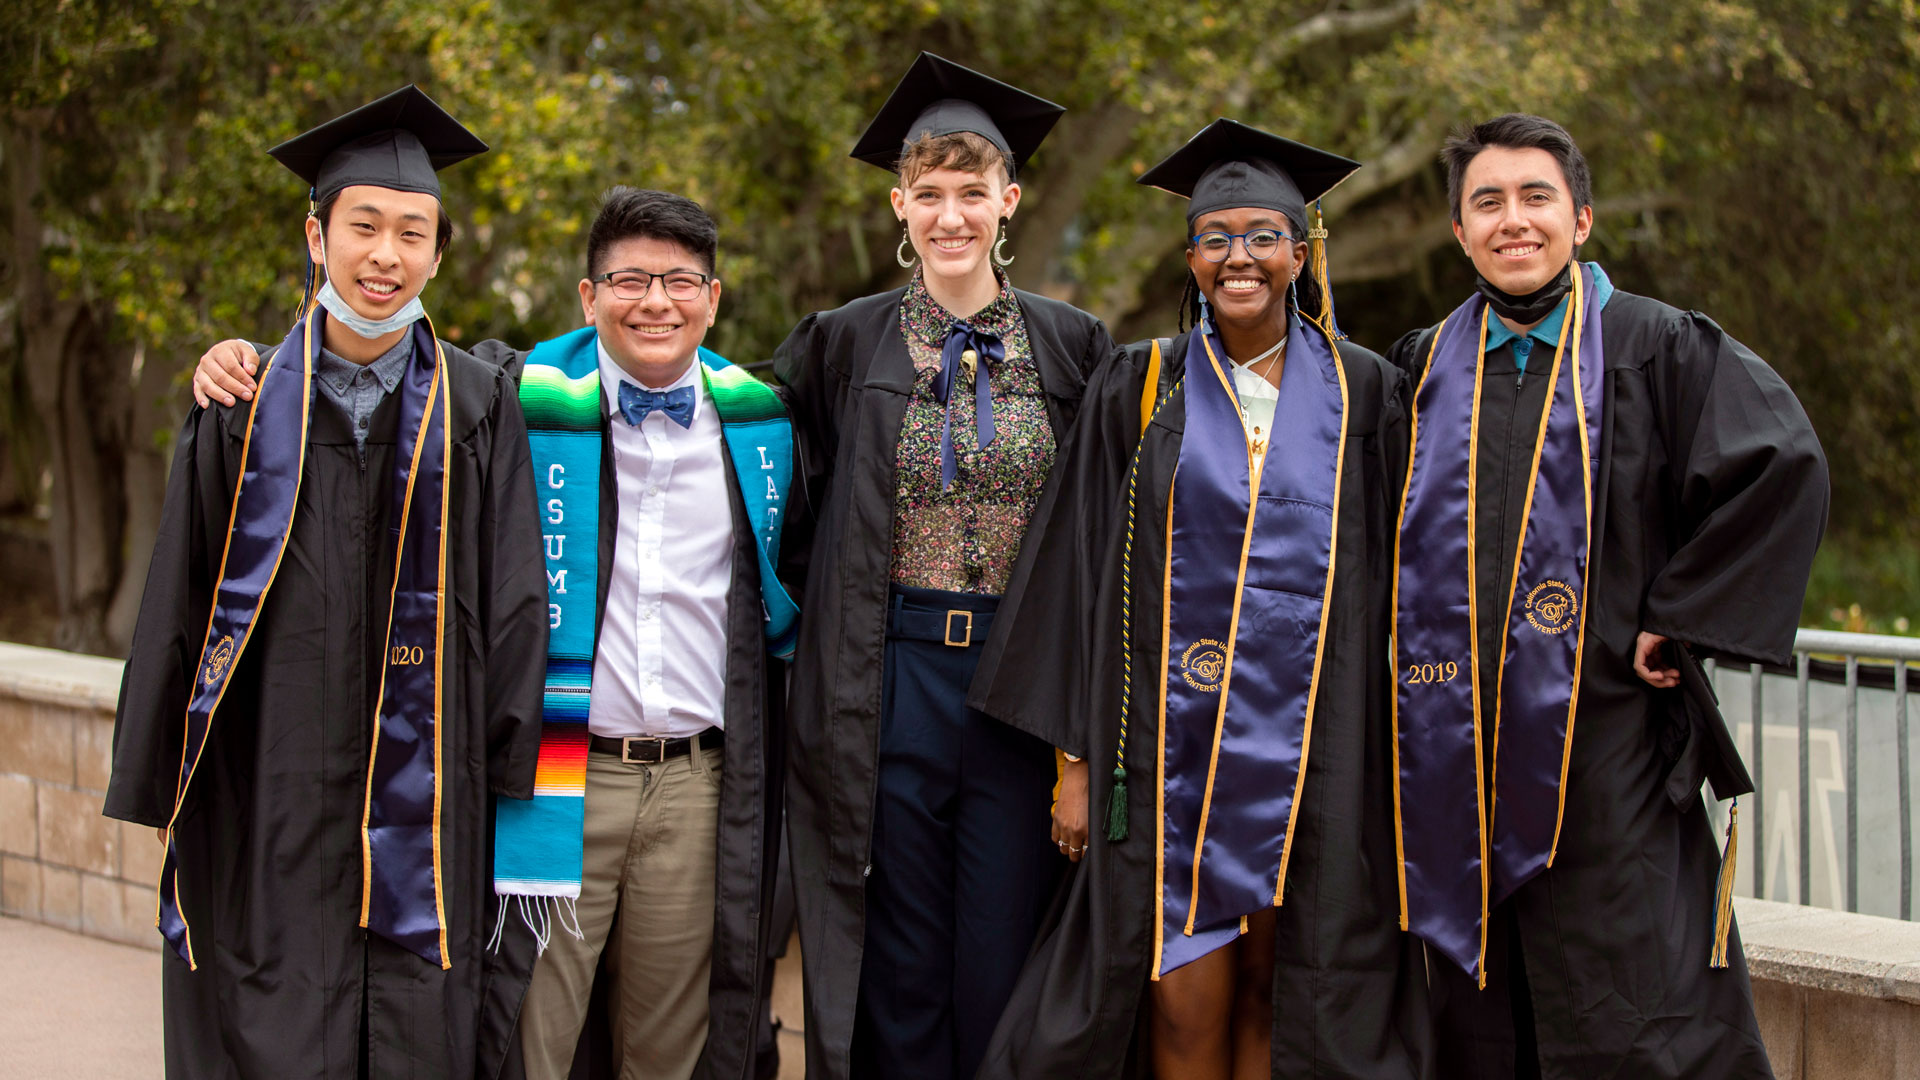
752	773
1710	501
848	377
289	985
1349	988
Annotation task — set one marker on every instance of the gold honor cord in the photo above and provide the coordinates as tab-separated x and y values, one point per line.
246	447
1117	825
1580	316
1473	653
440	634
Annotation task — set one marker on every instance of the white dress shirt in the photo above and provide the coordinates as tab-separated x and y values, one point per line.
1258	398
660	666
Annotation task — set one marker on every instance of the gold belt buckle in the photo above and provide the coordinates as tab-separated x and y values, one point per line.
659	750
966	630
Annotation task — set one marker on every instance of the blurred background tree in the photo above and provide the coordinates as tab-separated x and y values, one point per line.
1756	161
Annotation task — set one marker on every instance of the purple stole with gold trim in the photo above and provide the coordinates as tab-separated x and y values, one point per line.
1461	851
400	827
1245	618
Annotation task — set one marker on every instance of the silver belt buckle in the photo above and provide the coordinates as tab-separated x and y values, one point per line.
659	750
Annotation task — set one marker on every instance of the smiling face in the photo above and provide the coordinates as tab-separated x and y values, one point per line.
1518	222
654	338
953	219
1246	292
378	247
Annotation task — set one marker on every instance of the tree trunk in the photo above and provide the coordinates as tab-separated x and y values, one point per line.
78	402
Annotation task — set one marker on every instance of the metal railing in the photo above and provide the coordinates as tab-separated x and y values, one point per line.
1830	657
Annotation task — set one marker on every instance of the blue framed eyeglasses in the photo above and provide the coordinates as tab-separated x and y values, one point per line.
1261	244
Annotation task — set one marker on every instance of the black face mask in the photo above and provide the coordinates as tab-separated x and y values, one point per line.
1532	307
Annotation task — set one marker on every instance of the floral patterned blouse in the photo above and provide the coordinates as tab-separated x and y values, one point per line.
965	538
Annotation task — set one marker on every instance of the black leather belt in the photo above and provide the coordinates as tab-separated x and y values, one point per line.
648	750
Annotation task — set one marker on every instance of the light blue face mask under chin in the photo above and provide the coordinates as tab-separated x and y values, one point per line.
337	307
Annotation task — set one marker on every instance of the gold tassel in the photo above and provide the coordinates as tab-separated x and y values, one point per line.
1317	268
1723	907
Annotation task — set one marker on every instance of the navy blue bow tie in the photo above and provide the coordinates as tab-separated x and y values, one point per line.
986	349
636	403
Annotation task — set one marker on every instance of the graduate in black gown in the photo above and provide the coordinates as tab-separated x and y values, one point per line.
1232	681
926	420
1602	488
336	667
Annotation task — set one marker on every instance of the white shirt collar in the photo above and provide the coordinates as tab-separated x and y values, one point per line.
612	375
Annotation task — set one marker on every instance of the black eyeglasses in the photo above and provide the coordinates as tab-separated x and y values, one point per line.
1261	244
633	284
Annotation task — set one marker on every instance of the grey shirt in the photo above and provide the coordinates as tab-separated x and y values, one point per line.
359	388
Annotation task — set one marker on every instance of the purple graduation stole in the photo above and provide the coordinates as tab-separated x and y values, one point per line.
400	897
1460	852
1244	629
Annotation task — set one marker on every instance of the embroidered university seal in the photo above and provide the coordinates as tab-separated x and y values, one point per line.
1551	606
1204	665
218	660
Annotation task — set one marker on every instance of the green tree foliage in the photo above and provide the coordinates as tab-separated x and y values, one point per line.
1753	160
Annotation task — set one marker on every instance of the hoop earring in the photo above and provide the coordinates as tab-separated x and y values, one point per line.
899	253
1000	258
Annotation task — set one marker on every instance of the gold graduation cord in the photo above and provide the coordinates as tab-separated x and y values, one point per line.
434	393
246	446
1148	393
1117	824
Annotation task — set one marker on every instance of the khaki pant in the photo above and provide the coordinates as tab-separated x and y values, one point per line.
646	892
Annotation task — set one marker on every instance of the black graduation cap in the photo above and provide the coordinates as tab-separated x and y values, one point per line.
397	142
939	97
1229	164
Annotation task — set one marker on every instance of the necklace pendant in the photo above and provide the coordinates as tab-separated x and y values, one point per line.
970	360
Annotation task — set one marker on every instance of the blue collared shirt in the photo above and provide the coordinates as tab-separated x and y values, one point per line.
359	388
1498	333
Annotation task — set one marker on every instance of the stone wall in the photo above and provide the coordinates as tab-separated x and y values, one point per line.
1838	994
61	862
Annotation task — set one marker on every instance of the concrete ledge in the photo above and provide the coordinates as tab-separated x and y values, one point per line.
52	677
1858	955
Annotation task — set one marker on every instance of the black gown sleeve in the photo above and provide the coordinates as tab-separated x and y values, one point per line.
1036	668
513	577
150	721
1749	484
807	387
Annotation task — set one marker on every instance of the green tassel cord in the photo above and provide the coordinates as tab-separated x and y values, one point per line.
1117	806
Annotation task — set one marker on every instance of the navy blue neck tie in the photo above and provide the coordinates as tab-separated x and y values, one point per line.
636	403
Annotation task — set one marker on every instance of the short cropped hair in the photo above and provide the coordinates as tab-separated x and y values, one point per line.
630	212
1516	131
962	151
443	233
